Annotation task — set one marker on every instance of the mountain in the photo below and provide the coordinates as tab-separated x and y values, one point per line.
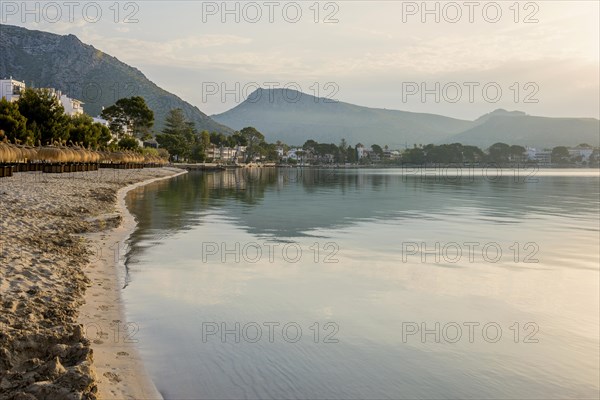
526	130
42	59
499	113
293	117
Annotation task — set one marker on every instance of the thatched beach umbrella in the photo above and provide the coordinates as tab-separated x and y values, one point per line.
10	154
31	153
51	154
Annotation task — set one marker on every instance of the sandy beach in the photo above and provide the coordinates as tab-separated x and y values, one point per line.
63	332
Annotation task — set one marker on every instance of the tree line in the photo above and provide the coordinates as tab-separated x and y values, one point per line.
185	143
498	153
455	153
37	117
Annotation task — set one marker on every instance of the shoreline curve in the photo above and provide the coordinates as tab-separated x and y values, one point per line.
120	373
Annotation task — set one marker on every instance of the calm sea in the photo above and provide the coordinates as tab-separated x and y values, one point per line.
368	284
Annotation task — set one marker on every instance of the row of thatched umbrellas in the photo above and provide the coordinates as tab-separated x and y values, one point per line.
59	158
16	154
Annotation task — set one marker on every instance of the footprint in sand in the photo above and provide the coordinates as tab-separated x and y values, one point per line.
123	353
98	341
104	308
112	377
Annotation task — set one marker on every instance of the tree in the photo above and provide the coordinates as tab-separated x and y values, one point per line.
176	123
83	129
132	114
237	139
13	123
128	143
164	154
205	139
269	151
253	139
199	147
444	154
517	153
377	149
499	153
560	155
174	144
46	119
178	135
198	153
415	155
342	150
310	145
351	154
219	139
472	154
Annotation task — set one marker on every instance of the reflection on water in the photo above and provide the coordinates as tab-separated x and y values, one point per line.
381	252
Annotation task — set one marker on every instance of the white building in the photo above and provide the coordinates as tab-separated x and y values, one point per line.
582	152
391	154
360	151
543	157
363	152
100	120
72	106
295	153
11	89
280	151
226	154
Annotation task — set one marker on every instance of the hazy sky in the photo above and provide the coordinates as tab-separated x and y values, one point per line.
371	53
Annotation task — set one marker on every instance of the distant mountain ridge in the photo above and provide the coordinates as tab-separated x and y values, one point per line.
274	113
293	117
86	73
528	130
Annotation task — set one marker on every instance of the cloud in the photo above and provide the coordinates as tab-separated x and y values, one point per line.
179	51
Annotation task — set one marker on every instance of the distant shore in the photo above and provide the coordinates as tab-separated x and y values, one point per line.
60	287
212	167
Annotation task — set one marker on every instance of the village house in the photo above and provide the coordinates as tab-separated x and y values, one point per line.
360	151
226	154
542	157
391	154
72	106
363	152
581	154
280	152
295	154
11	89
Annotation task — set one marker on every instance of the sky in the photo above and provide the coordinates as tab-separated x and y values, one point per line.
460	59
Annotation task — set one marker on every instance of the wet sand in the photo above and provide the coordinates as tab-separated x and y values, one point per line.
62	330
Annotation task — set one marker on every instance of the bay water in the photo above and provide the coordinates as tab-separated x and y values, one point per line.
368	283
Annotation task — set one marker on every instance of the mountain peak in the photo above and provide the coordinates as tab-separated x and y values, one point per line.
501	112
279	95
83	72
